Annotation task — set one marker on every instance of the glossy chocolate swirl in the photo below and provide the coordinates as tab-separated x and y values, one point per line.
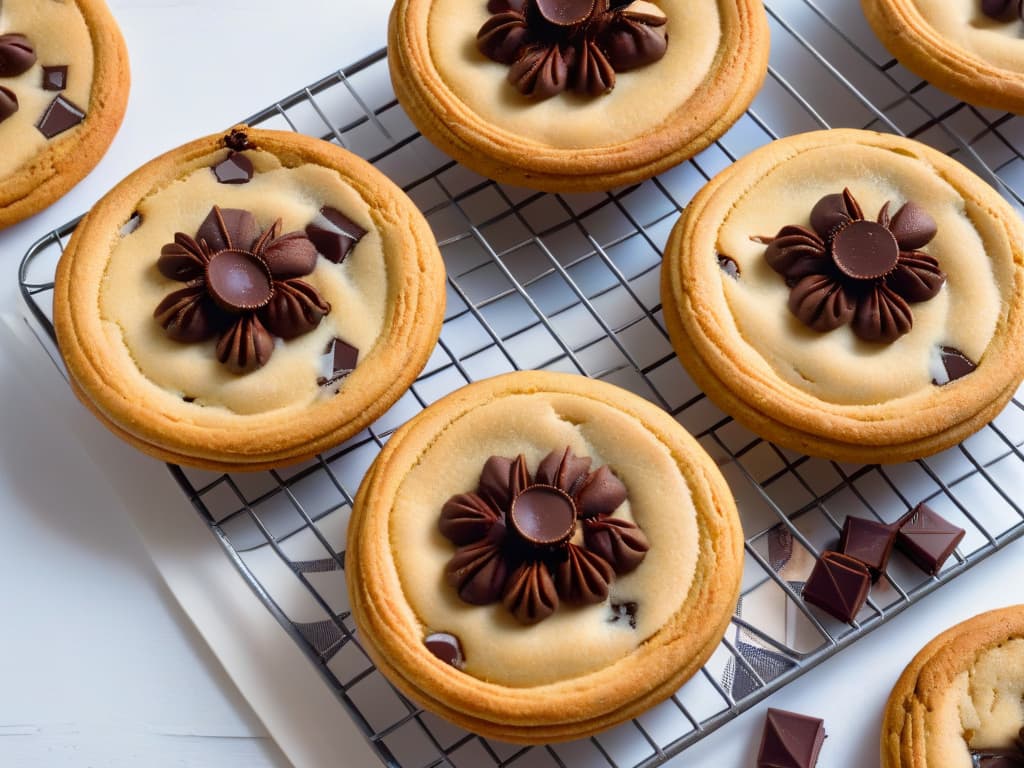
518	536
848	269
242	288
578	45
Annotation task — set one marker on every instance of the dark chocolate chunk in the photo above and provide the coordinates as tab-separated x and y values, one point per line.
238	140
1002	9
8	103
543	516
838	585
238	281
337	239
865	250
55	78
729	266
236	168
790	740
955	365
342	358
446	647
59	117
869	541
16	55
927	538
622	611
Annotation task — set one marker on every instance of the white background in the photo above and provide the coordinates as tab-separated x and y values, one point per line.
98	665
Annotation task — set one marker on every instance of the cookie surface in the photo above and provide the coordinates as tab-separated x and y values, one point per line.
248	300
559	634
63	92
956	46
768	309
594	114
960	699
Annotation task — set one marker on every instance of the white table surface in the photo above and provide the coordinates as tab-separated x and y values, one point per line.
98	665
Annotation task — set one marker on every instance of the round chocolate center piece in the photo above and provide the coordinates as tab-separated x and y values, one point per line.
865	250
238	281
566	13
543	516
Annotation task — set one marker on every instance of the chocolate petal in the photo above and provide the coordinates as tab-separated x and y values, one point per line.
563	470
188	314
600	494
228	228
467	518
917	277
631	42
530	595
499	6
540	72
833	210
295	308
494	485
796	252
16	55
996	8
478	572
618	541
913	227
583	576
8	103
182	260
503	36
565	13
820	302
642	12
245	346
881	316
291	255
593	75
518	476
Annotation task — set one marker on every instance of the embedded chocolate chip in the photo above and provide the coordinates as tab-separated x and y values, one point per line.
55	78
59	117
729	266
543	515
238	281
336	235
446	647
955	365
341	361
234	169
865	250
622	611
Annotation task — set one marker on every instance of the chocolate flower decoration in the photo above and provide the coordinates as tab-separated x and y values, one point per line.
1004	10
552	45
241	287
517	535
851	270
16	57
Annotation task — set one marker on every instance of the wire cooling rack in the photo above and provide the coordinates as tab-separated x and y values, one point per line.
570	282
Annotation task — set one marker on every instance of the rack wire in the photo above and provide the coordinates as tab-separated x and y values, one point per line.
570	282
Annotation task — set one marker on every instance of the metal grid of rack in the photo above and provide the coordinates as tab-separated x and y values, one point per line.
570	282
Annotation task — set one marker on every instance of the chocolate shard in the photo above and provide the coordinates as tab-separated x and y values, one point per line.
838	585
341	359
790	740
869	541
59	117
952	365
927	538
236	168
55	78
16	54
334	234
446	647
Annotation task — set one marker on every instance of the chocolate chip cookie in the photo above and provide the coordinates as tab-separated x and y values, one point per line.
248	300
63	92
540	556
580	95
